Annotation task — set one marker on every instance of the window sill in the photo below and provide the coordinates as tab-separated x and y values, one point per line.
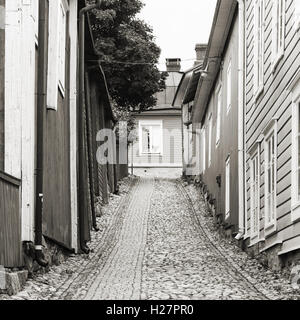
270	230
258	93
277	60
61	89
295	214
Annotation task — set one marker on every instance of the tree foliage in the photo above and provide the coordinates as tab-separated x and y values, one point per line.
128	54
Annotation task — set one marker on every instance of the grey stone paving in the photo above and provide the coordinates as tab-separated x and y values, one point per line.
158	242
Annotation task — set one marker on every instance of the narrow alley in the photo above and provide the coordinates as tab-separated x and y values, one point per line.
157	241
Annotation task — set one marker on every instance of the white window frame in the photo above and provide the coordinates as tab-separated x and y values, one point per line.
278	31
258	47
203	150
255	180
219	114
62	42
297	15
227	188
295	151
56	57
270	222
229	86
209	139
150	123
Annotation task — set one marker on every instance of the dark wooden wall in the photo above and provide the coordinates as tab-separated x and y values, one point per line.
57	202
10	218
2	64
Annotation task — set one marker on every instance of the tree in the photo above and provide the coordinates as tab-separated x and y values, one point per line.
128	54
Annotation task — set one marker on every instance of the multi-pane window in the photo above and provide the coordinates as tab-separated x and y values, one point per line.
227	188
255	193
270	177
56	51
151	137
209	139
278	18
219	110
229	79
258	46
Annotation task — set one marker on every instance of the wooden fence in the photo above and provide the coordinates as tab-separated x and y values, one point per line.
10	222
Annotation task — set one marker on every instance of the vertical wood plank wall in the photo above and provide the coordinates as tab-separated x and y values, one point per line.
10	226
57	196
275	101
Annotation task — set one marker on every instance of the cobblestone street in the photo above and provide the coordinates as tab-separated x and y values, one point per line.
156	241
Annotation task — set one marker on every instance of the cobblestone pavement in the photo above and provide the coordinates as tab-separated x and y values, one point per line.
158	242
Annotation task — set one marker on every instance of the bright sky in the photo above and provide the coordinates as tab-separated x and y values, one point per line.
178	25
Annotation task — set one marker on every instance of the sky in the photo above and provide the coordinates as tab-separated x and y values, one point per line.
178	25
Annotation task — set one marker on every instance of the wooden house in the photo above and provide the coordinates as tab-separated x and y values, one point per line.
217	116
272	226
49	177
159	139
184	97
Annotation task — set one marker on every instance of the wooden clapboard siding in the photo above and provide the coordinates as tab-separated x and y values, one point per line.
228	145
172	143
2	80
275	101
10	226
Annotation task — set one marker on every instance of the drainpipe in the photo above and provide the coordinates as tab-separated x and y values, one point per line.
41	107
241	120
82	182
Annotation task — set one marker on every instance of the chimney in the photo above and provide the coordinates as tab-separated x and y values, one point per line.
200	53
173	65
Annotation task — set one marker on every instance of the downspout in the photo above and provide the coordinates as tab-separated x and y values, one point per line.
241	119
82	13
41	107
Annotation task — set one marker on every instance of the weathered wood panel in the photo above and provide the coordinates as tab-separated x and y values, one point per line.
10	226
57	196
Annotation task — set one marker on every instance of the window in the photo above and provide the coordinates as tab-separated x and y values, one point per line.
227	189
229	79
270	176
151	136
297	15
259	47
296	152
209	139
255	194
56	51
219	110
278	30
203	150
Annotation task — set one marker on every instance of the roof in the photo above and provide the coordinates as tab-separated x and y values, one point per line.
222	22
188	86
160	112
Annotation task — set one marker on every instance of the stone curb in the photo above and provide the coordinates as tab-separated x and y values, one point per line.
14	282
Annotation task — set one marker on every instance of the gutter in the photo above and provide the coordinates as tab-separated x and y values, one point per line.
241	122
81	108
41	107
